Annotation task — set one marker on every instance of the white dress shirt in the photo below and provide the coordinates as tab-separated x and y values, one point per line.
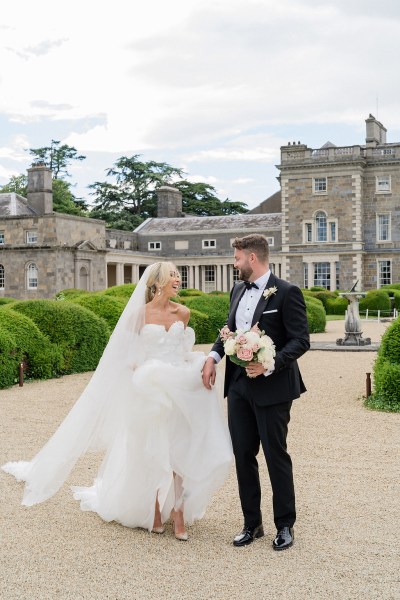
246	308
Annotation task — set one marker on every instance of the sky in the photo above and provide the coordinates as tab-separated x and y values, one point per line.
214	87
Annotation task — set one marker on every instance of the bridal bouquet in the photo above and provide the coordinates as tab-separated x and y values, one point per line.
243	347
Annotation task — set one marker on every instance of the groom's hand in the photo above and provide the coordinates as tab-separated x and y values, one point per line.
209	373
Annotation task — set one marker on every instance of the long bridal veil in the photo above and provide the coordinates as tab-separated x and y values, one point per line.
93	421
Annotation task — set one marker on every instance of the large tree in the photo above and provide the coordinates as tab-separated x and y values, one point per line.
18	184
134	187
57	157
132	193
200	199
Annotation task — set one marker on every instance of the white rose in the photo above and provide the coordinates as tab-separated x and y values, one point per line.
229	347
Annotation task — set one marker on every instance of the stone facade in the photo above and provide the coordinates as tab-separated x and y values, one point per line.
336	220
341	212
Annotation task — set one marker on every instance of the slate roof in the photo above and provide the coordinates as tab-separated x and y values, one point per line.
13	205
229	222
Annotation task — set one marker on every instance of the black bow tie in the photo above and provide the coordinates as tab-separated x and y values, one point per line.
250	284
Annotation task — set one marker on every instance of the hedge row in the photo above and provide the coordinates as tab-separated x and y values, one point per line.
52	338
68	335
373	301
386	394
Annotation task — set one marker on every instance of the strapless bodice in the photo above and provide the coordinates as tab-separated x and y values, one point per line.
172	346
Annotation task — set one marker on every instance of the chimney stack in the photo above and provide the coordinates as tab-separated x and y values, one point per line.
40	189
376	132
169	202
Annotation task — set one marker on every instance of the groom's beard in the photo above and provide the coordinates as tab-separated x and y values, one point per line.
245	273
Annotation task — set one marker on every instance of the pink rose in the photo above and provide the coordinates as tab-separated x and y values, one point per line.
241	339
244	353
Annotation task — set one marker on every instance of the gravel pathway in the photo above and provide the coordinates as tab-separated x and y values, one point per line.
346	464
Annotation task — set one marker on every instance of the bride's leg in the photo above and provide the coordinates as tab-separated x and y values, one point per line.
177	517
158	526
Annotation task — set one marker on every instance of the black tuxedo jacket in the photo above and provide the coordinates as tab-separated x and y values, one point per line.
283	318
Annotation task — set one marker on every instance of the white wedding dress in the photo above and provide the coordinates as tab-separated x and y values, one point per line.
170	424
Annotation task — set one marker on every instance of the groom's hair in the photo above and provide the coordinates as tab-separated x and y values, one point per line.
254	242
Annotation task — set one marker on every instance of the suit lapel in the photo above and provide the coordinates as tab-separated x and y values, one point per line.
238	293
262	303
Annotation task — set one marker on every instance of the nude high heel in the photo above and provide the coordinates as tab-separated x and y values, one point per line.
183	537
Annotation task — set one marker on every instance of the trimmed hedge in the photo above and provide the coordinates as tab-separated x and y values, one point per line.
5	300
80	334
42	358
215	307
387	372
190	292
316	315
336	306
200	322
120	291
375	300
107	307
8	352
70	293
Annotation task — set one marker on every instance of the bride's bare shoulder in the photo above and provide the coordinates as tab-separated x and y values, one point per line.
183	313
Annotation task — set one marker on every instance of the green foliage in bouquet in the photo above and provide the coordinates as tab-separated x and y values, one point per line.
80	334
108	308
386	394
41	358
8	351
316	315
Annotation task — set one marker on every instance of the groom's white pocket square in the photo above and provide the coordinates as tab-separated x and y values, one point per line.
268	312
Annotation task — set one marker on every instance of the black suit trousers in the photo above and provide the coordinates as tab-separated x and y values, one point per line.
250	424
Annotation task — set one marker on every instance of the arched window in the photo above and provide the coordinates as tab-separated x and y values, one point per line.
83	279
2	277
321	230
32	277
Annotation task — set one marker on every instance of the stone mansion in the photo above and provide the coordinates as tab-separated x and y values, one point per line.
335	220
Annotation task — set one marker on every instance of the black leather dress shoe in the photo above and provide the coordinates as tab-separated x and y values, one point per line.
248	535
284	538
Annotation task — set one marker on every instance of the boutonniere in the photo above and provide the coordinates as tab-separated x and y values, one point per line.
270	291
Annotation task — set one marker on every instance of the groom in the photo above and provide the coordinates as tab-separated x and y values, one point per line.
259	401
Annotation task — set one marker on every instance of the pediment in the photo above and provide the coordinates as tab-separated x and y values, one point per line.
85	245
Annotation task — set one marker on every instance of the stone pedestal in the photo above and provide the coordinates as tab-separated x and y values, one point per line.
352	324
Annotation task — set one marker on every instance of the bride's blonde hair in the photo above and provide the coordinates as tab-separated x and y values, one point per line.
159	276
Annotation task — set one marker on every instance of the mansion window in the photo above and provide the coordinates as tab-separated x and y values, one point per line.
235	275
209	278
384	272
154	245
183	271
31	237
32	277
319	185
320	229
321	275
2	279
383	227
270	241
206	244
2	238
383	183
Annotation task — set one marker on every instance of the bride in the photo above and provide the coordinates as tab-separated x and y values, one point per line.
167	447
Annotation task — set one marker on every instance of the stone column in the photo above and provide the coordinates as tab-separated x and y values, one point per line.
120	273
332	267
218	278
224	278
197	277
